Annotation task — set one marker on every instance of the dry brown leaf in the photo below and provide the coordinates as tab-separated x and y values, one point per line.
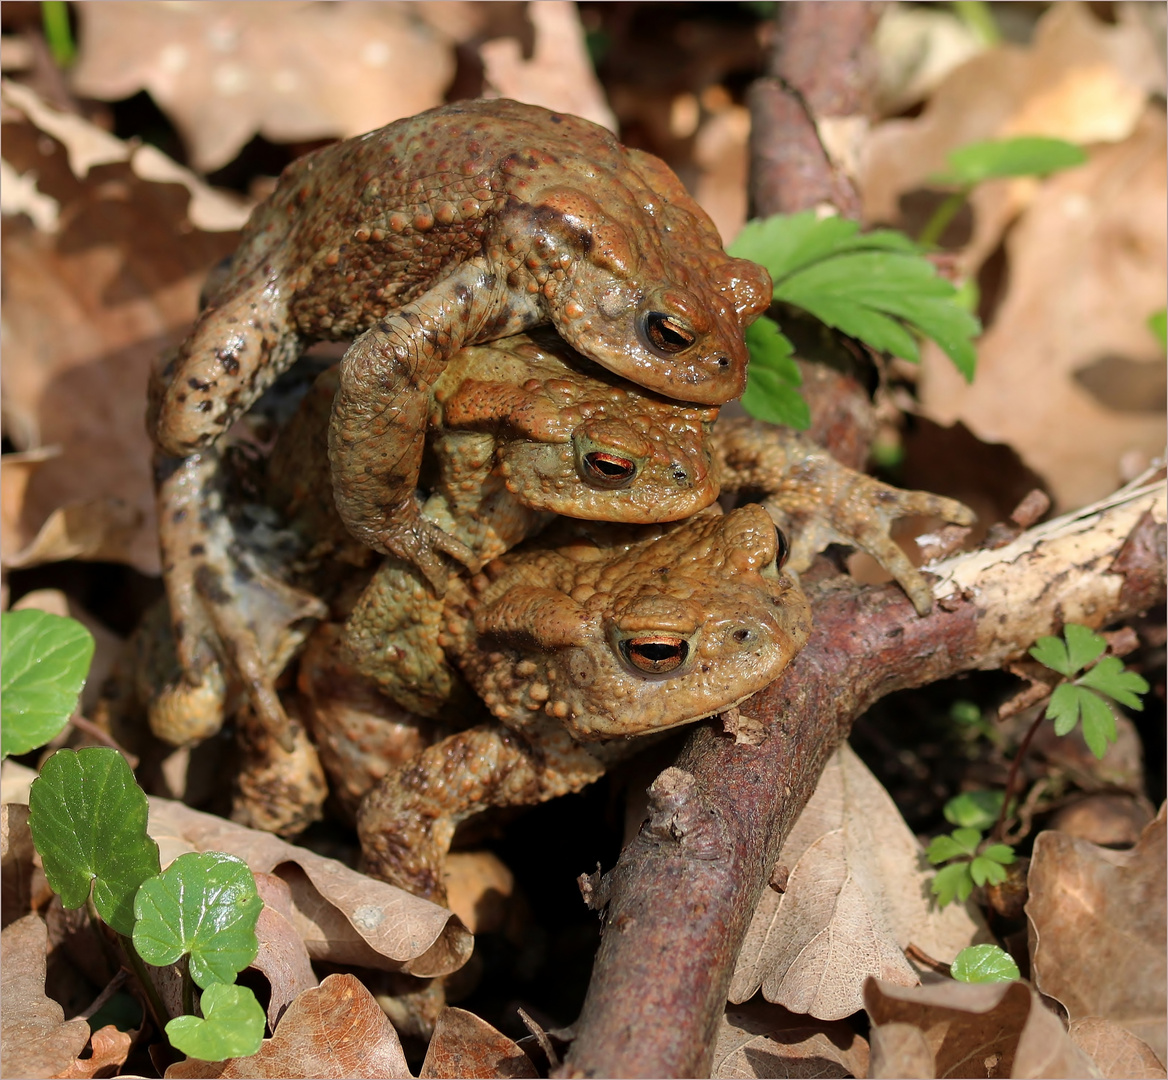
16	863
334	1030
559	74
1068	373
916	48
109	1049
290	71
15	780
86	313
720	154
1117	1052
464	1045
1097	921
282	957
759	1040
1080	80
900	1050
35	1038
988	1029
856	896
343	917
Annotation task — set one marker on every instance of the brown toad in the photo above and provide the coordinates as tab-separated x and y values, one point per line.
466	223
587	637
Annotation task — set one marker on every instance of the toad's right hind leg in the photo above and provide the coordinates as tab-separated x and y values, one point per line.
237	349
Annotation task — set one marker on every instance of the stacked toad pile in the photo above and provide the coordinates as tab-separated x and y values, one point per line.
460	226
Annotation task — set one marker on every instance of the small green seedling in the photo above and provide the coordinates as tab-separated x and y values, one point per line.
984	964
1087	695
874	286
974	809
968	867
232	1025
995	159
46	662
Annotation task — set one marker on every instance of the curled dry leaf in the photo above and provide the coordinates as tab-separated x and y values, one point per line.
856	896
464	1045
282	957
16	863
334	1030
1117	1052
559	74
759	1040
1097	922
109	1049
988	1029
86	313
1068	373
35	1038
342	916
290	71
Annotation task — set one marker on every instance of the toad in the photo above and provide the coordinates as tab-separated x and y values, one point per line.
581	640
463	224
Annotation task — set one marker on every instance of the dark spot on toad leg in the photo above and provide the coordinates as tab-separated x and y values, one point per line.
198	549
208	584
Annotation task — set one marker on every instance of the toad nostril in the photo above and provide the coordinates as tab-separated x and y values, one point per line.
723	362
741	635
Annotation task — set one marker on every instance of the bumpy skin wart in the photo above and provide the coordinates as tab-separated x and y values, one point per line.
463	224
591	634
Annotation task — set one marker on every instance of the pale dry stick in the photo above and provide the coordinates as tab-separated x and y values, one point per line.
683	891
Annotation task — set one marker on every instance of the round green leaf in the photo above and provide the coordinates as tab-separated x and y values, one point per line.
205	903
45	664
232	1025
984	964
88	821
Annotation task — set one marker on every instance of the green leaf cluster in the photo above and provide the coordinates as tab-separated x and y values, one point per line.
1087	696
984	964
88	820
45	664
973	867
874	286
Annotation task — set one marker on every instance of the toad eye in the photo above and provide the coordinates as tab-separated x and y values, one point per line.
607	470
666	333
656	654
782	548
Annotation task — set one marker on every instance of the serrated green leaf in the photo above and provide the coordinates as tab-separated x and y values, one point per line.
1158	324
974	809
1000	853
967	838
1063	708
45	664
952	883
771	398
1052	652
984	964
205	903
88	821
1083	646
984	871
232	1025
1025	155
1098	722
770	347
943	848
1110	678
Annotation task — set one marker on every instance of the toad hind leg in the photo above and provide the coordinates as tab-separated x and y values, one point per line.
382	405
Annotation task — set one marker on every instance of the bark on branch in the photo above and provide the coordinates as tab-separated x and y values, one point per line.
682	893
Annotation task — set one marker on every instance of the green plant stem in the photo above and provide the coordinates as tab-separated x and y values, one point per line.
976	14
188	986
55	20
1011	778
944	214
157	1009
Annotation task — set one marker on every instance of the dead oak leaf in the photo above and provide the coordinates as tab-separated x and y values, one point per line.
109	1049
282	957
464	1045
288	70
35	1038
856	896
1117	1052
1097	921
334	1030
758	1040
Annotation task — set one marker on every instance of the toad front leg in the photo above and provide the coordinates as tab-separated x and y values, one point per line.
380	412
407	822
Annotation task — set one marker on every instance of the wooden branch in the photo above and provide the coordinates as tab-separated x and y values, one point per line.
682	893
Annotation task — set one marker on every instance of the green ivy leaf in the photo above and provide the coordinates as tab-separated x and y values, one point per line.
1110	678
952	883
876	286
205	903
1083	645
1098	722
974	809
1025	155
88	821
45	665
984	964
232	1025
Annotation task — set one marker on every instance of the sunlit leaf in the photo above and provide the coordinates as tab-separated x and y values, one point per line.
1025	155
984	964
232	1025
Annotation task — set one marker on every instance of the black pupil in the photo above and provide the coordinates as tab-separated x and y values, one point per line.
657	657
614	468
782	548
656	651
